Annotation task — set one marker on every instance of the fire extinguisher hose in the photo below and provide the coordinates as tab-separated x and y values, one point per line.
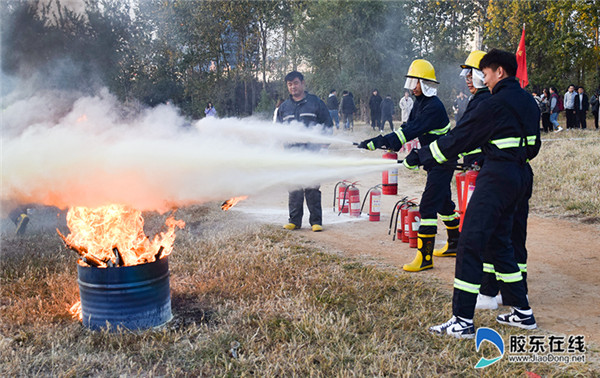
366	195
335	192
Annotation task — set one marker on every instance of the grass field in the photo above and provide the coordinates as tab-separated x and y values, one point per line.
247	300
256	301
567	175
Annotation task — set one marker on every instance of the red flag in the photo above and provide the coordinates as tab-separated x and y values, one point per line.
522	61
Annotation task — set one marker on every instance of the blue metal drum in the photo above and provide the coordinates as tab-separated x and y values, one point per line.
133	297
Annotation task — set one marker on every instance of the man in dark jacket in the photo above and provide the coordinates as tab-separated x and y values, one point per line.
333	104
428	121
348	109
581	107
375	106
387	112
594	102
507	129
310	110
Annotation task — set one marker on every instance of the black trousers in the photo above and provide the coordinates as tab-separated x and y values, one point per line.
571	120
376	119
489	284
595	113
546	124
580	119
437	199
487	236
384	120
313	202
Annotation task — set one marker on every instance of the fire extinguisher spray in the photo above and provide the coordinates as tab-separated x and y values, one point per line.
374	195
390	176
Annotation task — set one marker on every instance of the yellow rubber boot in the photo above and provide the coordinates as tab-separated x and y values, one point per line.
424	259
451	246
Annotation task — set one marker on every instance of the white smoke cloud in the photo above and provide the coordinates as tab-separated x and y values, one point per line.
93	151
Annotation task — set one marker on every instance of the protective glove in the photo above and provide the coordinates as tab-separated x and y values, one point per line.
411	161
374	143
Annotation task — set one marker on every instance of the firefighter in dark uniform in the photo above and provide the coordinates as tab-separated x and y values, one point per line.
428	121
479	92
506	128
309	109
486	299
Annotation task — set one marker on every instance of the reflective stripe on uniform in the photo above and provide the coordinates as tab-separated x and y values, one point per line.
448	218
436	153
512	142
441	131
429	222
465	286
411	167
523	268
488	268
401	136
308	115
509	277
288	117
371	146
475	151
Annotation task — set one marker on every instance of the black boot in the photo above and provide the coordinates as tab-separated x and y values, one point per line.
451	245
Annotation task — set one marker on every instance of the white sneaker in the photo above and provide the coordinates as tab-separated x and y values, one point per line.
558	130
456	327
518	318
485	302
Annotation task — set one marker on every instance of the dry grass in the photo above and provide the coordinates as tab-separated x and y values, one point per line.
294	309
567	175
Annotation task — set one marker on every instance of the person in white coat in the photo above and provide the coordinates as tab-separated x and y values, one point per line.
406	105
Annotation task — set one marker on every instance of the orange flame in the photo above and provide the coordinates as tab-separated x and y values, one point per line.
99	231
232	202
75	311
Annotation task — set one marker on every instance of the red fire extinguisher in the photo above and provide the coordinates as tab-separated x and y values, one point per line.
374	195
468	188
390	176
460	182
351	198
399	213
354	194
338	196
414	220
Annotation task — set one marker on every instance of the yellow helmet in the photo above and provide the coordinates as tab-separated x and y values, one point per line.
422	69
473	59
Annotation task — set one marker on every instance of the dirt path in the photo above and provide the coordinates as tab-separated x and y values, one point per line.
563	266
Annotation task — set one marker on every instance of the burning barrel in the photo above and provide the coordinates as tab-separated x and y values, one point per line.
123	275
134	297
